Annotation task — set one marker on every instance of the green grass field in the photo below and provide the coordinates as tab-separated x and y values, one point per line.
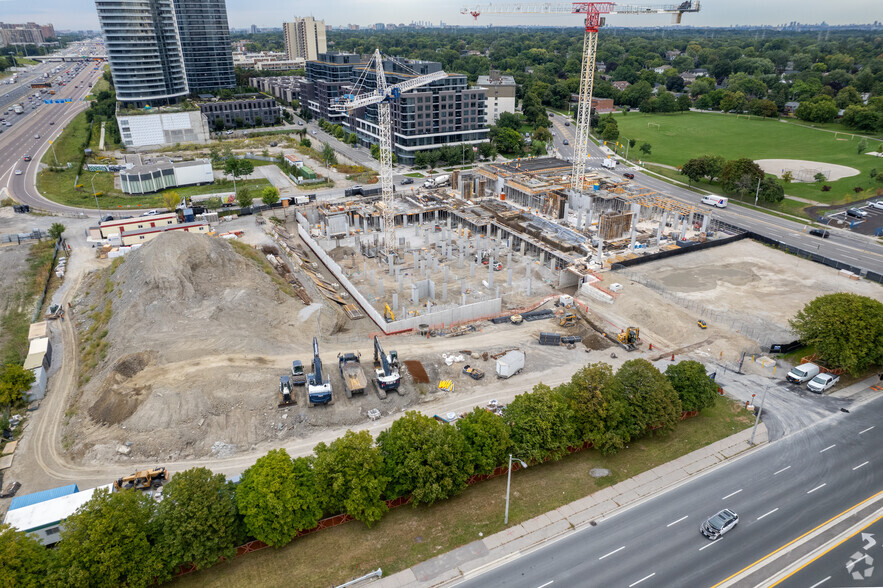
407	536
682	136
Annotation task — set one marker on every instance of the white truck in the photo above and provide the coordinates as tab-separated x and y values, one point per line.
17	109
437	182
609	163
510	364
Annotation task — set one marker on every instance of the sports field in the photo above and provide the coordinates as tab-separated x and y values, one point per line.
675	138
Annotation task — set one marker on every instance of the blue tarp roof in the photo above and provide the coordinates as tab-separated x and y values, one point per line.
37	497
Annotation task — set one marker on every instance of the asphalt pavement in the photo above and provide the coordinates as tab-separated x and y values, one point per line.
781	491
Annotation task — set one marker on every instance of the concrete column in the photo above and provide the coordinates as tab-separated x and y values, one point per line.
509	277
634	229
371	277
579	219
415	294
705	223
416	230
400	277
428	307
659	230
449	222
391	259
523	245
472	268
446	273
691	220
462	257
395	301
566	209
600	250
462	286
445	292
490	275
436	216
528	285
420	217
509	259
380	292
365	268
463	299
498	292
684	228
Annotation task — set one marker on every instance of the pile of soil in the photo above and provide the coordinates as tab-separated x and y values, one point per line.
197	340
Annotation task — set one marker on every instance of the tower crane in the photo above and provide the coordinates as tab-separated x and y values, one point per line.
382	95
593	12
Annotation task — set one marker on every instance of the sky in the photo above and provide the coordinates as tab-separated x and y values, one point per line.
80	14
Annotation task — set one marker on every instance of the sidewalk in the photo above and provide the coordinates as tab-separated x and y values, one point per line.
490	551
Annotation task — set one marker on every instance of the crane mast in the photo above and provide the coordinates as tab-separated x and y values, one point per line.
383	95
593	21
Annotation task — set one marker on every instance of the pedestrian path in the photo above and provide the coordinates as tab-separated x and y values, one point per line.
471	559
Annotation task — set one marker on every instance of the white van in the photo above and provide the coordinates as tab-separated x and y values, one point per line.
803	373
719	201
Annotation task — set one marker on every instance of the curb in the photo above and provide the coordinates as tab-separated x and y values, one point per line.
480	556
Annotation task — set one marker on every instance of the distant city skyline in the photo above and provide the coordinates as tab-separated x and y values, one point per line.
81	14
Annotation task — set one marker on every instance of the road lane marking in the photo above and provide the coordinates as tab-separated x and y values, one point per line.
817	584
767	514
816	488
866	430
642	579
859	466
710	543
733	494
547	583
675	522
782	470
827	448
612	552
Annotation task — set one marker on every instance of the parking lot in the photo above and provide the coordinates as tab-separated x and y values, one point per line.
869	224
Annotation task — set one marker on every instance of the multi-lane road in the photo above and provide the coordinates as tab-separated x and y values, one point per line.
32	132
856	250
779	491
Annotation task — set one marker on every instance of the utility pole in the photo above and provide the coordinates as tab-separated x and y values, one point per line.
757	192
759	412
508	484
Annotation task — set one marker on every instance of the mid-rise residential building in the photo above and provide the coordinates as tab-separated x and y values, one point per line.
305	37
500	92
144	50
445	112
29	33
245	109
205	44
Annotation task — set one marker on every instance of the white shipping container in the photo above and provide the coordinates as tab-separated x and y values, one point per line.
510	364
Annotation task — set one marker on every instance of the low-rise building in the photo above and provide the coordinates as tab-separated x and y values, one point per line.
603	105
791	107
137	236
661	69
153	177
500	91
117	226
621	85
42	514
150	128
245	109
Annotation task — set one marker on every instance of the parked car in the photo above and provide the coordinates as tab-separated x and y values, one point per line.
629	175
878	204
822	382
150	213
819	233
406	181
105	219
857	213
718	524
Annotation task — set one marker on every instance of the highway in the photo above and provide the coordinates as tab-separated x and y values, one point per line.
780	492
842	246
31	133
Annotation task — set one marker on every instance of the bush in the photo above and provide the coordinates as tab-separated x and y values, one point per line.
826	188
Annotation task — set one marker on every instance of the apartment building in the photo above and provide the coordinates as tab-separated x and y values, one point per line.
305	38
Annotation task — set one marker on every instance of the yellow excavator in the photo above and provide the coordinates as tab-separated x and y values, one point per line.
629	338
568	319
388	314
142	480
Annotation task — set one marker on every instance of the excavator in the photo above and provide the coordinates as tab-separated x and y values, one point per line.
568	319
388	314
386	370
629	338
142	480
318	389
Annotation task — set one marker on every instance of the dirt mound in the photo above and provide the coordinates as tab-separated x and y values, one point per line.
193	337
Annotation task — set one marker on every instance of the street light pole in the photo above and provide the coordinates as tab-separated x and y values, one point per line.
757	192
759	412
92	181
508	484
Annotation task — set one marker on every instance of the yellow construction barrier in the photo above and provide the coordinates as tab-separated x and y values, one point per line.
446	385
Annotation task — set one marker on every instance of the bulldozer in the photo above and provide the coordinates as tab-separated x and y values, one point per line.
629	338
568	319
143	480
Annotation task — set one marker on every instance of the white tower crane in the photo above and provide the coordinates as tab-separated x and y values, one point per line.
382	95
594	20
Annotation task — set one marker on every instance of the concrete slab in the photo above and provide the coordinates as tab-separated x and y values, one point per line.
626	485
503	537
10	447
535	523
645	477
398	580
672	478
449	561
735	450
604	494
626	498
540	535
6	461
593	513
701	464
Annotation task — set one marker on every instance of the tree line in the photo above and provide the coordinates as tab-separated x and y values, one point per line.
126	538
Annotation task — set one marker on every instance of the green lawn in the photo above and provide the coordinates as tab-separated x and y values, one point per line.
407	536
61	186
682	136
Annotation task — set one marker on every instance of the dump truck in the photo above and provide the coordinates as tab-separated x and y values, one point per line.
354	380
386	371
286	397
510	364
318	390
298	376
143	480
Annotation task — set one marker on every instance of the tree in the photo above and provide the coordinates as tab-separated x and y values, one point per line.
610	128
487	439
197	520
350	474
508	140
771	190
653	403
329	157
819	178
509	120
278	497
25	560
819	109
714	166
270	195
684	103
599	410
56	231
171	200
237	168
14	382
733	102
845	329
861	147
872	173
244	198
541	424
424	458
109	542
788	177
695	169
645	148
219	124
306	143
763	107
695	389
741	175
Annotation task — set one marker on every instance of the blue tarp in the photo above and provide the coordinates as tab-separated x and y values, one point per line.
38	497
